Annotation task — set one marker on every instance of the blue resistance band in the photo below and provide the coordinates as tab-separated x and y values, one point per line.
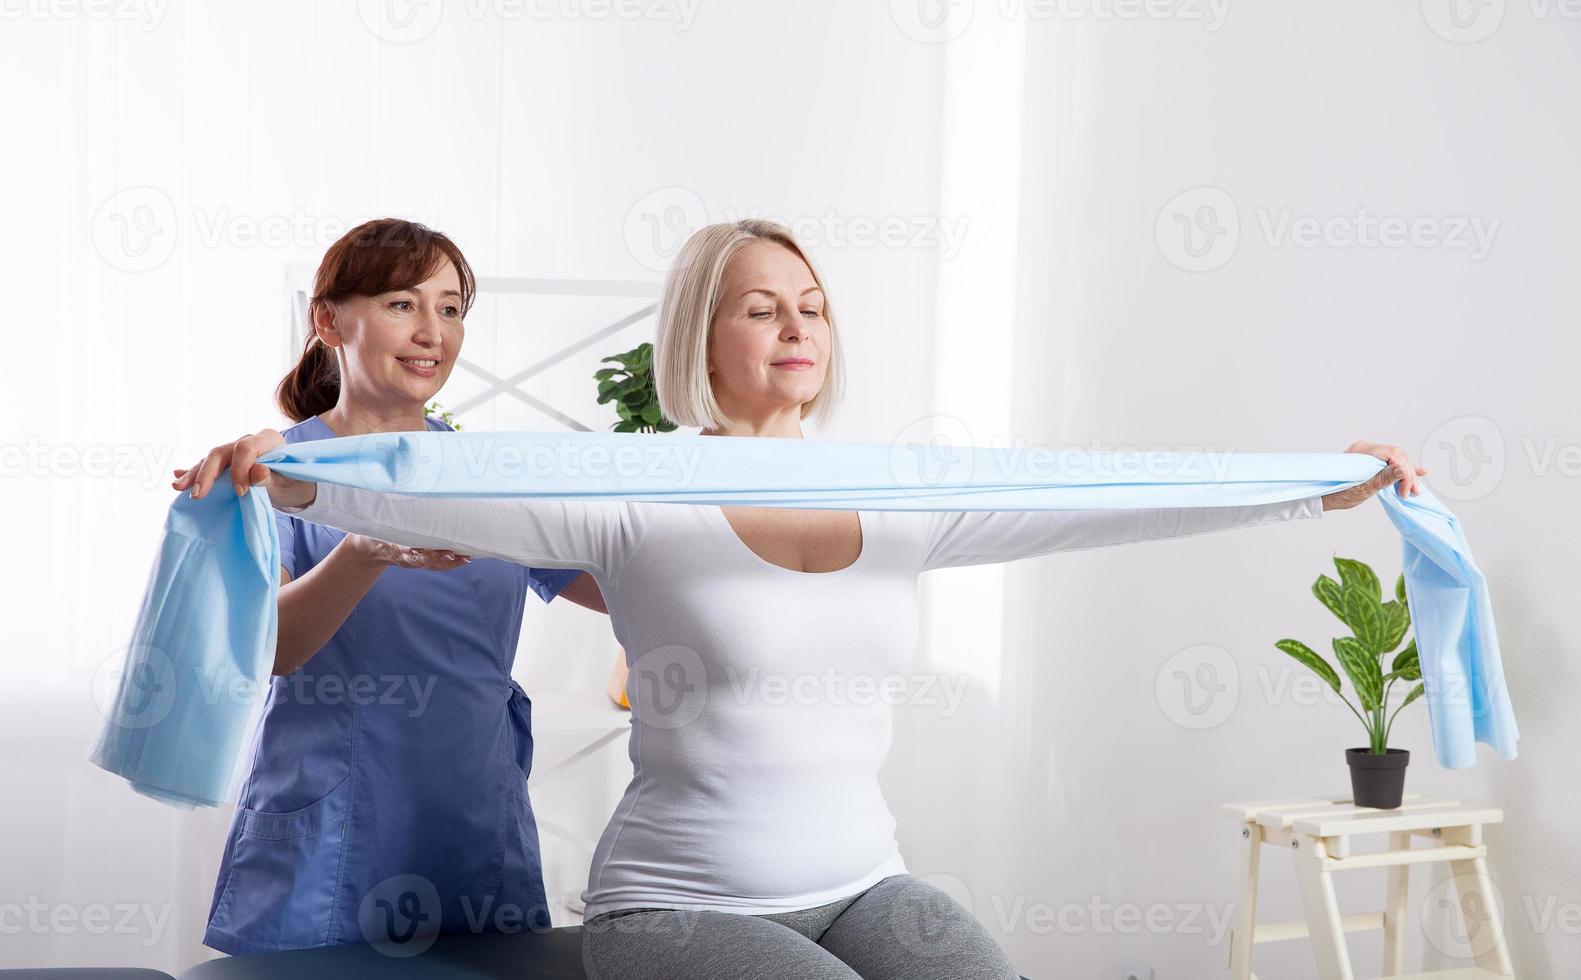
199	664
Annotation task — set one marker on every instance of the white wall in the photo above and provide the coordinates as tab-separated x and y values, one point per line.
559	146
1101	792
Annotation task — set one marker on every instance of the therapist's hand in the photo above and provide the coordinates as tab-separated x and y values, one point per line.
241	458
400	556
1399	471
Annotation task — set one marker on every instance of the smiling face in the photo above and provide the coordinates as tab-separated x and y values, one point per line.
397	348
768	348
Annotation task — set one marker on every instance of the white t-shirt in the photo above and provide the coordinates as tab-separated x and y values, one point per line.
755	785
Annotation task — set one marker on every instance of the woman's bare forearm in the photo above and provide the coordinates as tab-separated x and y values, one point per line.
584	591
314	606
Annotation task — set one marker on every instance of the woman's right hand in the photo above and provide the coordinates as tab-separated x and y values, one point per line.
241	458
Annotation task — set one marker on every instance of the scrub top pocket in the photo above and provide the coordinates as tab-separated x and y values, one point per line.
266	898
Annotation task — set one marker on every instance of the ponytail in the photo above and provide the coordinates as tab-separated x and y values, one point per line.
312	387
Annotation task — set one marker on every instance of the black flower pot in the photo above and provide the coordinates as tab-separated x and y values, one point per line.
1377	781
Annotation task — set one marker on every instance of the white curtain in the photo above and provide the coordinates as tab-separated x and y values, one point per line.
165	166
1137	688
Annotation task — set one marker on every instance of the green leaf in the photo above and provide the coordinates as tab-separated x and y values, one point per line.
1416	692
1358	574
1408	665
1361	666
1309	657
1328	592
1396	620
1399	588
1365	617
630	387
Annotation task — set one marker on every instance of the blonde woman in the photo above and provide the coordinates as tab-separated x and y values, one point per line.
753	839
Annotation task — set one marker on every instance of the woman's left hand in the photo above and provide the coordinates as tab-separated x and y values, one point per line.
1399	471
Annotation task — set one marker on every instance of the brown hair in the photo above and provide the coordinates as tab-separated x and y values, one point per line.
374	257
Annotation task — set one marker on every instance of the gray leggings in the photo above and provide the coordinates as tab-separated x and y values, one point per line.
899	929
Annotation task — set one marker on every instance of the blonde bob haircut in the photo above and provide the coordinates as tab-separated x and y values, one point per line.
686	317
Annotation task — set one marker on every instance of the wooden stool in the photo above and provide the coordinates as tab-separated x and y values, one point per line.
1318	833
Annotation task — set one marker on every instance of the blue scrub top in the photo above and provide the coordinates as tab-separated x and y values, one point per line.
388	790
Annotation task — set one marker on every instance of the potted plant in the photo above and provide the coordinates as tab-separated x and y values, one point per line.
1377	772
630	386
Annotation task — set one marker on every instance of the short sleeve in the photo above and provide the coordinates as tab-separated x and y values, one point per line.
550	582
285	528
